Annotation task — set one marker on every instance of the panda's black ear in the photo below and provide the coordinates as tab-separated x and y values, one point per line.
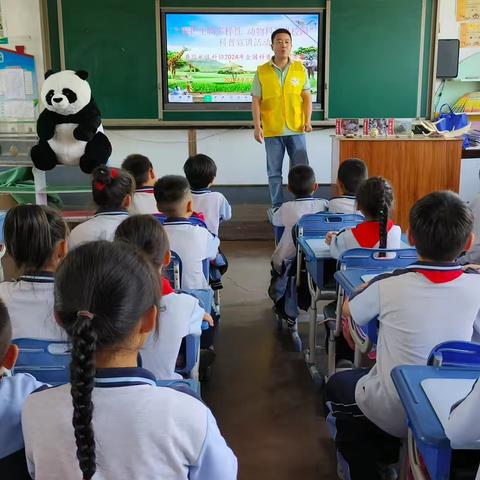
48	73
82	74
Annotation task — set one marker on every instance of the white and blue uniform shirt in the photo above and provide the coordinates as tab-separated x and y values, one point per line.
100	227
343	204
13	392
180	315
365	235
287	216
473	256
193	244
417	308
141	432
143	201
29	302
214	207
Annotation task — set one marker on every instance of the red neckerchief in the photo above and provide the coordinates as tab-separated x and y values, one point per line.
166	287
367	234
201	216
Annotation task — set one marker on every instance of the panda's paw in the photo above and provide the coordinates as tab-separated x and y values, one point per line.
43	157
82	134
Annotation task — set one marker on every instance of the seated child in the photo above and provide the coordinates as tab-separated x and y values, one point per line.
200	171
124	426
374	200
141	169
351	173
431	301
181	313
473	256
13	391
36	239
112	190
192	243
301	182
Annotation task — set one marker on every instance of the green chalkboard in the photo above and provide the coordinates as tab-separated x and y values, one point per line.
374	58
115	41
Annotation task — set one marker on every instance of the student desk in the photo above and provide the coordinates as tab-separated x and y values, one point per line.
315	252
426	431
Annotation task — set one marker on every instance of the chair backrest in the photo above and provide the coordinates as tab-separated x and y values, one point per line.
455	354
204	297
173	271
47	360
376	258
319	224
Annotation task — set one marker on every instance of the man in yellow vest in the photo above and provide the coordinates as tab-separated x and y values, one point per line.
282	109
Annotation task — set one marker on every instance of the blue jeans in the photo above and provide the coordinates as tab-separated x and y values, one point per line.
275	147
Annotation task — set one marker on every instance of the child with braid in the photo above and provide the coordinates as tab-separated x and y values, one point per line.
107	298
112	190
374	200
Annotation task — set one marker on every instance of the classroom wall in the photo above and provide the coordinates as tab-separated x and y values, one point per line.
21	18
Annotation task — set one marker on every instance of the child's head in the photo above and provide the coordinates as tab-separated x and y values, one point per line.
141	169
8	351
172	193
106	297
441	226
200	171
351	173
375	199
301	181
147	234
35	237
112	188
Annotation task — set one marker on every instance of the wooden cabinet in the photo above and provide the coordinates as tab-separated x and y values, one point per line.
414	166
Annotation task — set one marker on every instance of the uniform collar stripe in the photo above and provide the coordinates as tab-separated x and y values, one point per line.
118	213
115	377
124	381
144	190
203	190
435	266
39	277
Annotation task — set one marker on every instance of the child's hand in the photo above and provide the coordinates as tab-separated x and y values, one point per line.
208	318
346	313
329	236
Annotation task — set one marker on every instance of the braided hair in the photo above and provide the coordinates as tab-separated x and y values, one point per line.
101	291
375	199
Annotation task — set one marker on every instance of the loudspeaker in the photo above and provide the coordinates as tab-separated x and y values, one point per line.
447	58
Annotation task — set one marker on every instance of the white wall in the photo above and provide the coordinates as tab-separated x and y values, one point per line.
240	160
21	19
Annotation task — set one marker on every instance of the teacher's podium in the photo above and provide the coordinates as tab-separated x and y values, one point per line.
415	166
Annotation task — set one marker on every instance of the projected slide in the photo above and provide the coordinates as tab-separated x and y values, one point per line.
212	58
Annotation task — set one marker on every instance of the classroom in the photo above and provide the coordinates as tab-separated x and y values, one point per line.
240	240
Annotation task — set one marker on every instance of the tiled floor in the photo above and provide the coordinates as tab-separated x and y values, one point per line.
260	391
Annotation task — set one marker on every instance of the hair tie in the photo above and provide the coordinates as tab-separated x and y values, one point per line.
99	186
86	314
113	173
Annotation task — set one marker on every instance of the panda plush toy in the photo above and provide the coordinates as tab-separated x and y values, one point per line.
69	129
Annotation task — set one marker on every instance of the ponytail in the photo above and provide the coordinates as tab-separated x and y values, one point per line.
82	373
382	221
110	186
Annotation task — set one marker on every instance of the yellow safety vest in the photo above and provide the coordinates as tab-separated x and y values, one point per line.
280	106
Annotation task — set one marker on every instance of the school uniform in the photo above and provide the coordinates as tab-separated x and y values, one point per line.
343	204
13	392
180	315
473	256
30	301
213	205
417	308
193	244
143	201
287	216
141	431
100	227
364	235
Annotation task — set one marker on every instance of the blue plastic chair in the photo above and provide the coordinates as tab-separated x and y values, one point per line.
319	224
369	259
173	271
455	354
47	360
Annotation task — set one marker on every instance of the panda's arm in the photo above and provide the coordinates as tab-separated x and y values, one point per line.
88	122
46	125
